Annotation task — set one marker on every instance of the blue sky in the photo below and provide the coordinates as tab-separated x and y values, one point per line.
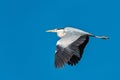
27	51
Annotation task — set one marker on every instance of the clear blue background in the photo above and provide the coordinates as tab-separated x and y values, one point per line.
27	51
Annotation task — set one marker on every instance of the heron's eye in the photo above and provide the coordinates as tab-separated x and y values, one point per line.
60	28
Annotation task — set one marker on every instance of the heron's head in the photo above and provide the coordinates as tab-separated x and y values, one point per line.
60	31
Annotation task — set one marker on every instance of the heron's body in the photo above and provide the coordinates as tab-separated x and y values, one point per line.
71	45
70	36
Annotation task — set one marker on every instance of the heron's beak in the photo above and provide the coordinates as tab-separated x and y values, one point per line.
51	31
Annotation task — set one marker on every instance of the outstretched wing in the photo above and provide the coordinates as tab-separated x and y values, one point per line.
70	50
78	47
62	56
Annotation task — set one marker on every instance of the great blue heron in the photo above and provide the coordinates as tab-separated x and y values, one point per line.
71	45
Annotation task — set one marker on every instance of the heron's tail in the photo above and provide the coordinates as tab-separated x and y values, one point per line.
101	37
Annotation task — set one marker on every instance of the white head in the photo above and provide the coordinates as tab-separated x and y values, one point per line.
60	32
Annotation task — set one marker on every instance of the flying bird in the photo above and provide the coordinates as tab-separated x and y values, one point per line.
70	46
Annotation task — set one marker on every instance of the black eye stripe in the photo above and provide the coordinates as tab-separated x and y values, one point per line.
59	28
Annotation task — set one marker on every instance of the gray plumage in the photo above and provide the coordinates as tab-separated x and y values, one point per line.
70	47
